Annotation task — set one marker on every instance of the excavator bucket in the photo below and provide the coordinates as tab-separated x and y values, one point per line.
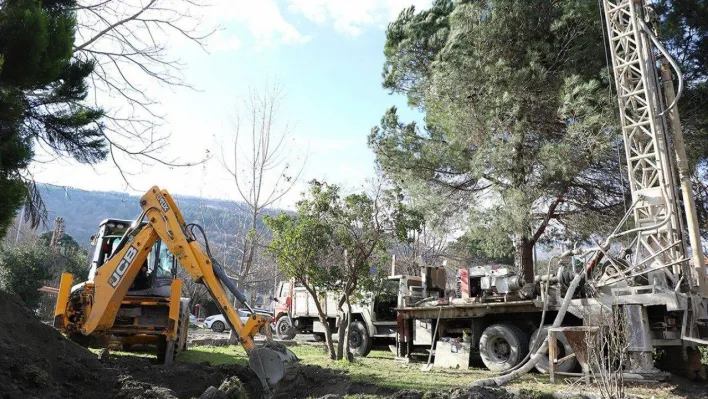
269	363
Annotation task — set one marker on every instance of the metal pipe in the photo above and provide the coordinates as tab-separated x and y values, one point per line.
694	234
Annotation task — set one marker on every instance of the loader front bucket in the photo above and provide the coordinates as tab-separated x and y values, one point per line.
270	363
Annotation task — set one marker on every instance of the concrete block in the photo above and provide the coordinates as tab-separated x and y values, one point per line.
452	355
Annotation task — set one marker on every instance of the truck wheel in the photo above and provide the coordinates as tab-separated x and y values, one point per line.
218	327
564	349
319	337
503	346
283	329
359	340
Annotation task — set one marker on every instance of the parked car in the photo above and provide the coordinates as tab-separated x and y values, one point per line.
217	322
192	319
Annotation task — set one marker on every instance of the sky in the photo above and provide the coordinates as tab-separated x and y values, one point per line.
326	54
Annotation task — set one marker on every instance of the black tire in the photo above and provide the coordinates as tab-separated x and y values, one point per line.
218	327
319	337
283	329
564	349
182	331
360	342
503	346
161	349
166	351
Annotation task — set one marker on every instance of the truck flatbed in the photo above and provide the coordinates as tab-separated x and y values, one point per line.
461	309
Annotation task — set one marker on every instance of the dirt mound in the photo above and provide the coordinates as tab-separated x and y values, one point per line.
303	381
36	361
180	380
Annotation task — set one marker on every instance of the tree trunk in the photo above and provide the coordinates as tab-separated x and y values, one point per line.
323	320
341	333
328	335
523	257
349	323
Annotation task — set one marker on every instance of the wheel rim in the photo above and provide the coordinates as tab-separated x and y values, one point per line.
500	349
219	326
355	339
283	328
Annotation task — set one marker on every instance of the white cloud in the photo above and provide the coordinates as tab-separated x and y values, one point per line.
261	18
322	145
223	41
353	17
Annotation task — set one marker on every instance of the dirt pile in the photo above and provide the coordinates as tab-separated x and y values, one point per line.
472	393
36	361
304	381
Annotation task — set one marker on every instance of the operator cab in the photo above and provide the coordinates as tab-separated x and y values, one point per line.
157	272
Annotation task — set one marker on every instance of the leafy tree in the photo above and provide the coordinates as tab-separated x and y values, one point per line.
365	226
518	115
334	243
301	245
66	242
27	267
41	90
23	270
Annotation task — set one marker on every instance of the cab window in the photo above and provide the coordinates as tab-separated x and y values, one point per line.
164	263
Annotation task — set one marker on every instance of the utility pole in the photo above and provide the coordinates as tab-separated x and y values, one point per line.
58	233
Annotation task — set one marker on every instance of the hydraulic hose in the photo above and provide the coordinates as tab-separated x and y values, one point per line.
226	281
219	271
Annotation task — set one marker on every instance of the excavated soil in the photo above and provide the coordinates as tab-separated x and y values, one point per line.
304	381
36	361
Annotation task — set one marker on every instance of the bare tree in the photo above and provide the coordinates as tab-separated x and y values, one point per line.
261	168
128	43
261	165
608	353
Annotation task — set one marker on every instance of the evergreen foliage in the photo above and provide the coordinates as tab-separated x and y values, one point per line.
41	92
520	115
515	95
27	267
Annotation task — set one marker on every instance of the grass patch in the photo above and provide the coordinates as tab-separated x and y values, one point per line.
214	355
380	369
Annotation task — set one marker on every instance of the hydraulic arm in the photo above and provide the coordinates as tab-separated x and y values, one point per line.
95	308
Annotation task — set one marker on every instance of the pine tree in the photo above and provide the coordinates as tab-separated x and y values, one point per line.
520	113
517	109
41	92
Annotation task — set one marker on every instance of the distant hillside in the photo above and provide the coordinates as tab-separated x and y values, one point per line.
84	210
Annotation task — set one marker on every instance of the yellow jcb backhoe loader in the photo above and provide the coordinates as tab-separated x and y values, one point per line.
133	295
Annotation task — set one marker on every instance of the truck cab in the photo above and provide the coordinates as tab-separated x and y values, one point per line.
160	267
372	318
